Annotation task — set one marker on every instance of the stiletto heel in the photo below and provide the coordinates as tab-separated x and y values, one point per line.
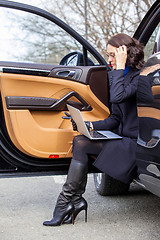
79	205
86	215
72	218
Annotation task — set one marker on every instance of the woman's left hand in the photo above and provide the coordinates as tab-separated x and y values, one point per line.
121	57
150	69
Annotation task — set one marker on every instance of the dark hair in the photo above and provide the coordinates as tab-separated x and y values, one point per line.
135	54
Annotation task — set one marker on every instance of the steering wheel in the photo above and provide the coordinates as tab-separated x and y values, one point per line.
75	59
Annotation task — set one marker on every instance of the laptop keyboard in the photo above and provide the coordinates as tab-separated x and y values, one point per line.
95	134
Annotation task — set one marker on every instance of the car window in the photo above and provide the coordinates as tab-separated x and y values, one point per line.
26	37
153	44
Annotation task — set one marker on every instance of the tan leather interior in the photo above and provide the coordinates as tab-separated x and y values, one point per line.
43	133
156	90
149	112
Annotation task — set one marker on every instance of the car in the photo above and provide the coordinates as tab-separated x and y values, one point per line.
35	139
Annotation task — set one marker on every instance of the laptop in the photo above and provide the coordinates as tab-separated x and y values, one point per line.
93	134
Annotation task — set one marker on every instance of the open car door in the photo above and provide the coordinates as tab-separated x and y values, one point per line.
34	136
148	147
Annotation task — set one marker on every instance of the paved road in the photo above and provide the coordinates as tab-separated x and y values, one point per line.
26	202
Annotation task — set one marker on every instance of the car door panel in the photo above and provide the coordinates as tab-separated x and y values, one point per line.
34	124
35	88
148	112
148	148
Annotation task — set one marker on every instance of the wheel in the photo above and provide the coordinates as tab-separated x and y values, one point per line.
107	186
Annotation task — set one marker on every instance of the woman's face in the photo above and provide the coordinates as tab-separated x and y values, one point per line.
111	56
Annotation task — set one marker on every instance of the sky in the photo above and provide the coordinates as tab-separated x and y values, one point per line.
36	3
6	48
10	48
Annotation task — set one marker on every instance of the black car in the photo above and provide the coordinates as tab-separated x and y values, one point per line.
34	138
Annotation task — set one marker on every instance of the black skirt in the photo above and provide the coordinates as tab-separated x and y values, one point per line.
117	159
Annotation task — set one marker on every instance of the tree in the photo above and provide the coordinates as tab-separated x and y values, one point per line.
96	20
101	19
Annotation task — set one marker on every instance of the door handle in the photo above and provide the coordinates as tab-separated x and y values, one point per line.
66	73
47	104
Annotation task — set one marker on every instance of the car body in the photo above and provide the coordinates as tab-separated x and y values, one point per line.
35	139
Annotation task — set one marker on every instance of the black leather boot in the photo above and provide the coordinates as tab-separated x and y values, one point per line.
80	204
64	207
78	201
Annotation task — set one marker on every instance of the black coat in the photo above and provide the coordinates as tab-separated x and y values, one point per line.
117	157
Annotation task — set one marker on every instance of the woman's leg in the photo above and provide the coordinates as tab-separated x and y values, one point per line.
82	147
75	184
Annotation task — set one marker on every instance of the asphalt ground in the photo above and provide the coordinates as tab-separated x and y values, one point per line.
27	201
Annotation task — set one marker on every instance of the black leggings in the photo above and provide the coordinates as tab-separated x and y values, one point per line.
82	147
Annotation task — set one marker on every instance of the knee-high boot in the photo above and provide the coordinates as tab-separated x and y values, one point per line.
71	195
79	203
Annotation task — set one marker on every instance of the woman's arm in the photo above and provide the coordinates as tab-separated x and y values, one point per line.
144	90
119	90
109	123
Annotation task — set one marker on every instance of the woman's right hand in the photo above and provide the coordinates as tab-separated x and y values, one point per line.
74	125
121	57
68	116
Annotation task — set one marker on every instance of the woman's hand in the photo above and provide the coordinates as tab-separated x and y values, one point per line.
121	57
89	125
68	116
150	69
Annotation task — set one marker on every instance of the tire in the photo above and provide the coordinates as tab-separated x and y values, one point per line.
108	186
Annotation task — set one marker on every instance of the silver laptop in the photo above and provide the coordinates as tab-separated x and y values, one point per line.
94	134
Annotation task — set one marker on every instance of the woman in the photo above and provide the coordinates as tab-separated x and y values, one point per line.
115	157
